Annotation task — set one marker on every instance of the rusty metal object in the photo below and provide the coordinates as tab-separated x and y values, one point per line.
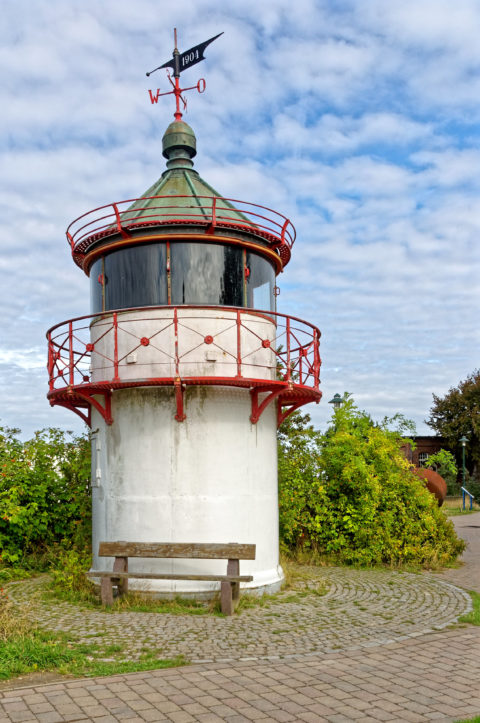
434	482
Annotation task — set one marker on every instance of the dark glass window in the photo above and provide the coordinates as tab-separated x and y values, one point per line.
260	283
96	286
206	274
136	276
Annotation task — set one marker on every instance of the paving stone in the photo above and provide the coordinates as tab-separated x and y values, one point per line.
373	648
361	608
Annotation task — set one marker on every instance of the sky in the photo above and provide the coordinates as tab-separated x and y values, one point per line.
357	119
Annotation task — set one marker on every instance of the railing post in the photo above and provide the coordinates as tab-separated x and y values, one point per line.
284	228
239	344
316	359
214	212
117	216
175	327
287	378
71	368
120	228
115	348
50	363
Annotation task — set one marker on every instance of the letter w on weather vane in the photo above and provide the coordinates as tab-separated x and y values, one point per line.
179	63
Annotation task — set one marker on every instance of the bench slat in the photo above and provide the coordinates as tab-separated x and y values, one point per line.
171	576
205	551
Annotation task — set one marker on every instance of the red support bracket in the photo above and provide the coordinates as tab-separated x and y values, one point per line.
86	416
179	390
258	409
105	411
285	411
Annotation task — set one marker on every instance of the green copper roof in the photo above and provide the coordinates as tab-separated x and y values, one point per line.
180	179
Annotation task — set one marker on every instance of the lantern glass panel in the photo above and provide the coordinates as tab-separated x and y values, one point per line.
135	276
207	274
260	283
96	286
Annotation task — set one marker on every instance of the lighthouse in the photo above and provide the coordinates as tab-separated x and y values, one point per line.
183	369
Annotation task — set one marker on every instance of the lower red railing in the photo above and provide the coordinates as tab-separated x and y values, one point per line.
274	355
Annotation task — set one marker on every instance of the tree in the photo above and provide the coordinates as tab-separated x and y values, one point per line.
458	414
444	463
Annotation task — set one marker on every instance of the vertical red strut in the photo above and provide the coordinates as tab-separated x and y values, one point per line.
287	377
316	360
115	347
50	362
180	416
70	355
239	342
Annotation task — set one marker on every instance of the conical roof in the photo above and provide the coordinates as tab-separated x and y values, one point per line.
180	199
182	184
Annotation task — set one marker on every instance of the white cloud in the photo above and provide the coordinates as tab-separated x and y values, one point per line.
355	120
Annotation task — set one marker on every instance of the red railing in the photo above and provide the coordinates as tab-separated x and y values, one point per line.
253	348
210	212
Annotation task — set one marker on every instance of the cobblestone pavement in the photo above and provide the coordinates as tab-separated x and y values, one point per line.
368	650
430	678
361	608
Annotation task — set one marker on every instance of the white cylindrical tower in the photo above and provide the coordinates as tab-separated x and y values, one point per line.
184	369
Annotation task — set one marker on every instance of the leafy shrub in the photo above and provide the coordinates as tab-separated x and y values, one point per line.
69	570
44	492
350	494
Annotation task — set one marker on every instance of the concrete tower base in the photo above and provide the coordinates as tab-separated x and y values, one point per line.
211	478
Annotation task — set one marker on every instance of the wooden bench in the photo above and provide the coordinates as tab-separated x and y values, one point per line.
121	551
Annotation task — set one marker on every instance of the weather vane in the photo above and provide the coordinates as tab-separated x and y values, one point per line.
179	63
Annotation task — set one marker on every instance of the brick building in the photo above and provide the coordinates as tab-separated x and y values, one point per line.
425	446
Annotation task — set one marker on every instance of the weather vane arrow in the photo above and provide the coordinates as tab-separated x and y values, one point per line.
179	63
182	61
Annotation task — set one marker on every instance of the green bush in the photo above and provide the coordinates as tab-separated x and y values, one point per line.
44	493
350	494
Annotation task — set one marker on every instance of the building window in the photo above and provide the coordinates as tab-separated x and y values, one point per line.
422	459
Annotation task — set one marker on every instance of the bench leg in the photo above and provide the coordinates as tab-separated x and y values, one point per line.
233	568
230	591
226	598
121	565
106	591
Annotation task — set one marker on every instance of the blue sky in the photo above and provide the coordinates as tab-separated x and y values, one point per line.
357	120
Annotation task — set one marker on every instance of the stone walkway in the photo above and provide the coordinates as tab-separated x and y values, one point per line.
467	576
370	649
361	608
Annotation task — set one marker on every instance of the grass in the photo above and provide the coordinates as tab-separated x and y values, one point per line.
39	651
24	649
7	574
474	616
89	597
454	506
470	720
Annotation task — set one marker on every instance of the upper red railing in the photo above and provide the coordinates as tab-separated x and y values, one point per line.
265	351
211	213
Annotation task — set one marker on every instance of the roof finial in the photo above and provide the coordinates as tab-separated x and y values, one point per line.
179	63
